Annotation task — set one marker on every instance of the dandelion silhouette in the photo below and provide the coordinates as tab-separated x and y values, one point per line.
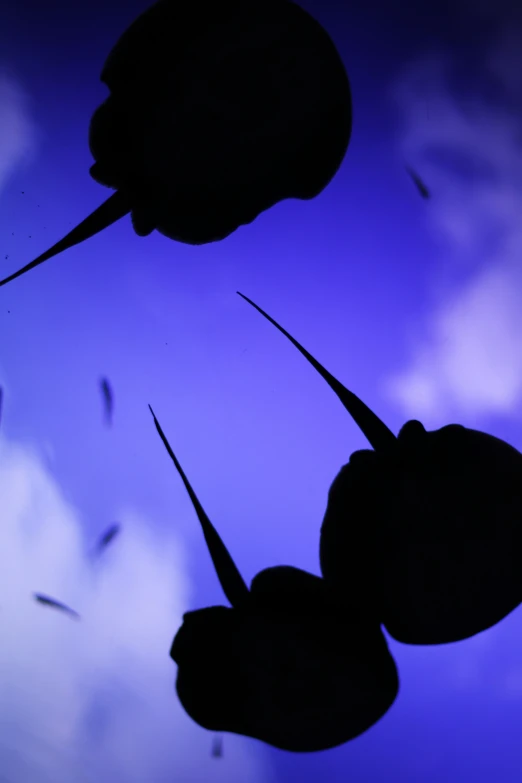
282	665
425	529
216	112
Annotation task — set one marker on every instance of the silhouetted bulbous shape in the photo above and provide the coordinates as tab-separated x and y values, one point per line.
216	112
424	532
288	668
431	535
287	664
229	108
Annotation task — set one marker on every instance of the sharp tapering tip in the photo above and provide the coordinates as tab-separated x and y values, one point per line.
378	434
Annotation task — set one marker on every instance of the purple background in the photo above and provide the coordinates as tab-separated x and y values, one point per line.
416	305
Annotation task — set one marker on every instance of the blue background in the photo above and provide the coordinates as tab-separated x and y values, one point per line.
415	305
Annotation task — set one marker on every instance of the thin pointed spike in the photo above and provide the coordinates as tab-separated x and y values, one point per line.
376	432
114	208
227	572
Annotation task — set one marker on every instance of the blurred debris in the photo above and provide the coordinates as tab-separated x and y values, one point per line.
421	187
217	746
46	601
108	400
109	535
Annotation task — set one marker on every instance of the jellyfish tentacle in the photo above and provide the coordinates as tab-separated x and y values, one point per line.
114	208
227	572
380	437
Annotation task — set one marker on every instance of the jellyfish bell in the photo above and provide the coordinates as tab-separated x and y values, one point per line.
254	107
216	112
464	487
286	672
282	665
424	528
437	529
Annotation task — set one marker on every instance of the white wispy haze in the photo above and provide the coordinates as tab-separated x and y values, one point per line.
90	699
18	135
93	699
466	350
466	355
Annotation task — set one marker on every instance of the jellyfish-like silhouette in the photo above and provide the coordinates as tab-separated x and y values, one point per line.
282	665
426	528
216	112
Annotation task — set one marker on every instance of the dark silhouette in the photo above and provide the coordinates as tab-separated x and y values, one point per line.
109	535
46	601
216	112
282	665
417	181
424	531
108	400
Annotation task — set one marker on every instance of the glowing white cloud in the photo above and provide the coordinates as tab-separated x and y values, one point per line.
94	699
468	357
474	362
18	138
